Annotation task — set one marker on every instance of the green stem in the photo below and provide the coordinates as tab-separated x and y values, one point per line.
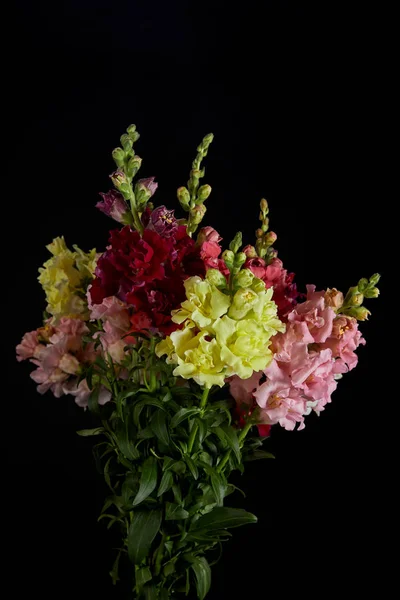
195	427
241	438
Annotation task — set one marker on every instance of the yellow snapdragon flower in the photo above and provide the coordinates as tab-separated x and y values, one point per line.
225	333
64	278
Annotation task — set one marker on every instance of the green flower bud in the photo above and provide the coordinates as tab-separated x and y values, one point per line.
228	257
134	165
356	299
243	279
216	278
358	312
126	142
207	139
362	284
197	213
142	195
371	293
236	242
265	224
264	206
240	259
374	279
203	193
118	155
131	129
118	178
183	197
258	285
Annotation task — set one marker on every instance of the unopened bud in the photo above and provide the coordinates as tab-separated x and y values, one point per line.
334	298
240	259
371	293
118	178
118	155
250	251
207	139
131	129
270	238
264	206
197	213
265	224
362	284
216	278
134	165
236	242
126	142
374	279
203	193
228	257
244	278
259	233
356	299
358	312
183	197
142	195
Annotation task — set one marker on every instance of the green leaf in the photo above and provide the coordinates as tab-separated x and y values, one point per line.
178	467
258	455
224	518
166	483
159	426
88	432
124	440
230	436
202	573
114	570
203	430
141	533
147	401
219	487
148	480
182	414
107	474
174	511
192	467
142	576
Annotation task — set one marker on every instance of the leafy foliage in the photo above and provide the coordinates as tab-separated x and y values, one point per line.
166	454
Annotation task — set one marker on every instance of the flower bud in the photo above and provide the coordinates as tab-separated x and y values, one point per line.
356	299
118	178
197	213
265	224
113	205
131	129
358	312
259	233
183	197
134	165
270	238
207	139
150	184
126	142
334	298
250	251
362	284
228	257
243	279
203	193
216	278
142	195
236	242
258	285
371	293
240	259
118	155
264	206
374	279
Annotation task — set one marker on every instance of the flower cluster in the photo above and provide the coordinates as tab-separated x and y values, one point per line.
316	348
223	334
65	277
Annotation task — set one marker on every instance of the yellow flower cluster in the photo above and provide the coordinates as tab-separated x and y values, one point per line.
224	334
65	277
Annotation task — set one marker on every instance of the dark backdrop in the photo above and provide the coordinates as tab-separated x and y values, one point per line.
299	99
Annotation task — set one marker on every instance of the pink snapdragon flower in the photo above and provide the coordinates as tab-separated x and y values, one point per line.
113	205
343	341
210	249
116	325
30	347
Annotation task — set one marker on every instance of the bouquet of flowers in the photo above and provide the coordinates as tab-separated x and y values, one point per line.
187	355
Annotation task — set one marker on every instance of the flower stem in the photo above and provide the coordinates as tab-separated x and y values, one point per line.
195	427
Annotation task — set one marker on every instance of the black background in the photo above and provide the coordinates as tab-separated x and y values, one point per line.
299	98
